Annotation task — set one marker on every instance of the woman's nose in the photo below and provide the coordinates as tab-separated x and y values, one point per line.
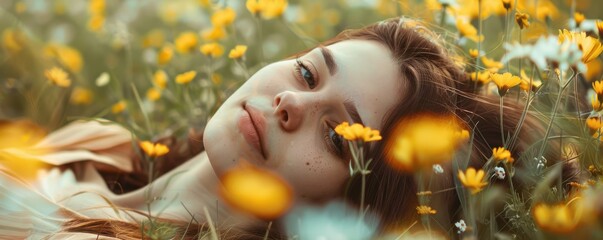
289	109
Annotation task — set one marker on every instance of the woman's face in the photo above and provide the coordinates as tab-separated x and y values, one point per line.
282	118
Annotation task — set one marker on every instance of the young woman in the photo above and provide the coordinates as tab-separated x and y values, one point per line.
282	119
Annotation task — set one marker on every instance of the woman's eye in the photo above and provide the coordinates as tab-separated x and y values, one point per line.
305	73
336	141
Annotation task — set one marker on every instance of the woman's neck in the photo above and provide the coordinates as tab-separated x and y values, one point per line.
184	193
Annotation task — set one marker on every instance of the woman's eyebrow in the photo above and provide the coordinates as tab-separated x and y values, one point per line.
328	56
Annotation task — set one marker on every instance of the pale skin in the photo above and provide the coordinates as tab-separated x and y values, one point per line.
300	105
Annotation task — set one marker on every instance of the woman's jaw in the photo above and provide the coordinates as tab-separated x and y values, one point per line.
281	119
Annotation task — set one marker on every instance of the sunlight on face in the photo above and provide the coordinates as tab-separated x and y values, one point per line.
282	118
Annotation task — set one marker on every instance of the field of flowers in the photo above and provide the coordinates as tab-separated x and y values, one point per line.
162	67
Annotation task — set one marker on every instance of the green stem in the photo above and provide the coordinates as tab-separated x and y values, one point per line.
443	15
549	126
502	131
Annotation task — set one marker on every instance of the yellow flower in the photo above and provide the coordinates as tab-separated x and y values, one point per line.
414	144
96	23
522	20
473	53
591	48
256	191
483	77
153	150
502	154
579	18
81	96
595	103
58	77
598	87
237	52
504	82
212	49
223	17
96	7
186	42
214	34
525	82
154	38
165	55
20	7
492	65
594	123
357	132
599	24
506	4
274	8
216	79
186	77
160	79
558	218
153	94
12	40
118	107
205	3
425	210
473	179
467	30
255	7
69	57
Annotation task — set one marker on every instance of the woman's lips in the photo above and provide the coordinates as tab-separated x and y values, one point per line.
252	125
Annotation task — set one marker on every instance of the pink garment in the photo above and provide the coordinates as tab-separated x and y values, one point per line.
35	208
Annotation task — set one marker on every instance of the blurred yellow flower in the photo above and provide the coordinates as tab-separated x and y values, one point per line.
256	191
155	38
598	87
579	18
414	144
223	17
522	20
216	79
492	65
214	34
118	107
472	179
594	69
153	150
255	7
594	123
425	210
467	30
506	4
58	77
595	103
96	23
97	7
204	3
81	96
237	52
473	53
591	47
186	77
16	153
504	82
165	55
212	49
186	42
274	8
558	218
502	154
153	94
20	7
483	76
68	56
160	79
12	40
525	82
357	132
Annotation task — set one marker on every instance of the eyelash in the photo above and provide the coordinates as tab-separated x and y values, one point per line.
335	148
299	66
